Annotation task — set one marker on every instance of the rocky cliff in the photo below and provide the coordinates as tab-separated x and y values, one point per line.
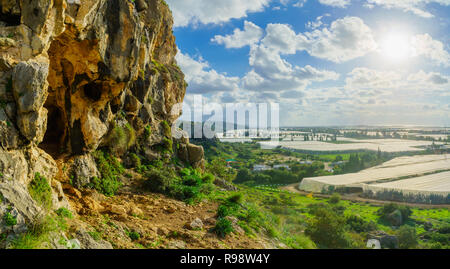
76	76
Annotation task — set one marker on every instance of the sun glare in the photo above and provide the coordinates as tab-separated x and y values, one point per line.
396	46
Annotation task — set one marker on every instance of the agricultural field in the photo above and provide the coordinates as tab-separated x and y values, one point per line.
435	183
425	175
385	145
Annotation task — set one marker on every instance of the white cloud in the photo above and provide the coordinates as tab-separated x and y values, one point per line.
362	77
272	73
202	79
415	6
346	39
300	3
427	78
187	12
425	45
281	38
336	3
317	23
249	36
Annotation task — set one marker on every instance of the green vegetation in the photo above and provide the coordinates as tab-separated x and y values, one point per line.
40	190
9	219
189	185
327	228
121	138
148	132
335	198
133	235
407	237
39	232
388	213
111	170
218	167
64	212
223	227
328	224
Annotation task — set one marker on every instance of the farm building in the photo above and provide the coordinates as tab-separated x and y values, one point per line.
261	167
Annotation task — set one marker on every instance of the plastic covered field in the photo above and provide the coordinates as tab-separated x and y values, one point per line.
395	169
385	145
439	182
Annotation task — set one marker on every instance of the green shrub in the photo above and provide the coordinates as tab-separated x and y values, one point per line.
327	229
134	235
359	225
40	190
335	198
121	138
9	219
407	237
64	212
110	170
161	180
223	227
208	178
390	208
236	198
135	160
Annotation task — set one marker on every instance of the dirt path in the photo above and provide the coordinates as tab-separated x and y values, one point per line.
356	198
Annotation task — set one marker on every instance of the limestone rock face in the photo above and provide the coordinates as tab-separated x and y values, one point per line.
72	72
74	67
84	169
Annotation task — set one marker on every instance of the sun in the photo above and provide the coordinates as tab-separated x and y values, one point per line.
396	46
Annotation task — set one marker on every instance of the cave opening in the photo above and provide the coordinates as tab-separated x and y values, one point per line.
9	18
54	136
93	91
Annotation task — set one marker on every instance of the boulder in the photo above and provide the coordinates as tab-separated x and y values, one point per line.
87	242
33	125
84	169
389	241
30	85
196	224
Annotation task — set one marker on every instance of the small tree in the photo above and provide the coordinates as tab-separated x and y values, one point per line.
327	229
407	237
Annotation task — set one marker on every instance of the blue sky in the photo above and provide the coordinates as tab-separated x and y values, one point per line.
327	62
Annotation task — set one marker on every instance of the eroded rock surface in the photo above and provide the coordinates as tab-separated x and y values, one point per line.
72	72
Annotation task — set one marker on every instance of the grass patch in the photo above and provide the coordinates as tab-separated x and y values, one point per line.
110	169
40	190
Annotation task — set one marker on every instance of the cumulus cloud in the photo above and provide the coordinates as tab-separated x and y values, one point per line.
336	3
362	77
425	45
346	39
417	7
281	38
272	73
241	38
432	77
187	12
202	79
